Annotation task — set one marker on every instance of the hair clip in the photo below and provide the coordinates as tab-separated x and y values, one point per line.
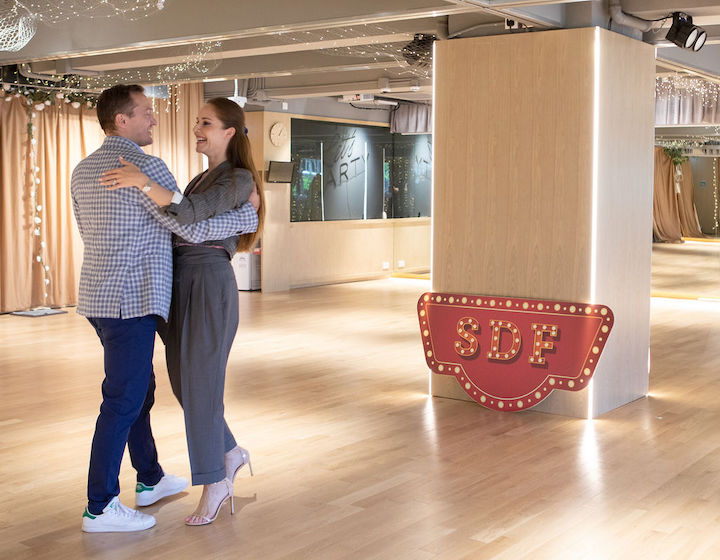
245	130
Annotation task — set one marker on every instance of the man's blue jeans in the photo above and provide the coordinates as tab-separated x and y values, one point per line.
128	395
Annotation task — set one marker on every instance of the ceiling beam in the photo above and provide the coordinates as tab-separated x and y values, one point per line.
534	13
238	48
288	64
185	22
372	86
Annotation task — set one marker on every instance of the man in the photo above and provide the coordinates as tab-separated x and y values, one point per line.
125	286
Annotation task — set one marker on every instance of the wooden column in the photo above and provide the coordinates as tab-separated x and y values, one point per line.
543	186
275	273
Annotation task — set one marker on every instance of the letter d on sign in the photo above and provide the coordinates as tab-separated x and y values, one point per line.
497	353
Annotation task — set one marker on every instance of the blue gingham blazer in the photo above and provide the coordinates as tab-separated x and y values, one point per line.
127	260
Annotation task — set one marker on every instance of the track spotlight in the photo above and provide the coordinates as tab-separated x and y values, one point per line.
684	34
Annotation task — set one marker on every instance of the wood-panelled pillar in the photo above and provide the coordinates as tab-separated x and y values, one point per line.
543	171
274	275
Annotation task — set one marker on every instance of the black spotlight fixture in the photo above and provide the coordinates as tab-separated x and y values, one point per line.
684	34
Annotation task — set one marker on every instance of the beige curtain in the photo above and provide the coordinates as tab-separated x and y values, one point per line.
674	214
689	222
64	136
16	248
173	139
666	219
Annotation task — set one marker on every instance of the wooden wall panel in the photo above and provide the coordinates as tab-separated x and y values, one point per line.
513	138
347	250
624	241
411	244
275	273
513	186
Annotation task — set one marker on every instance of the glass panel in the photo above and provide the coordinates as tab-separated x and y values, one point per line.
411	175
353	172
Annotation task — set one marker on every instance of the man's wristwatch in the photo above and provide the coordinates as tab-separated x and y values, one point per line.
147	186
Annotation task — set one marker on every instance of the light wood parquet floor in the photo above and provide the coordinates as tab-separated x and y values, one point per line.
327	388
690	269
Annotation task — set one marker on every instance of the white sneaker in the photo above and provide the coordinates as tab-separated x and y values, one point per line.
169	484
116	518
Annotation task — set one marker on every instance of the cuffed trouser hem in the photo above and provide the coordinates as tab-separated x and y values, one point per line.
208	478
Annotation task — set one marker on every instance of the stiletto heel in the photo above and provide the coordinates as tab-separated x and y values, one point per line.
245	461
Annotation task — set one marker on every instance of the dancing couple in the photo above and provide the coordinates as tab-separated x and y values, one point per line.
157	260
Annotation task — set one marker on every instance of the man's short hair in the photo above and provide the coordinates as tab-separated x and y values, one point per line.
114	101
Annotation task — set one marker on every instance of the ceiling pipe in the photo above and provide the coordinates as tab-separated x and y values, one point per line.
24	70
442	31
618	16
491	26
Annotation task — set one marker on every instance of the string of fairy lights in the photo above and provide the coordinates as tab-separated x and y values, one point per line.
195	66
65	10
414	56
715	195
705	91
19	18
39	245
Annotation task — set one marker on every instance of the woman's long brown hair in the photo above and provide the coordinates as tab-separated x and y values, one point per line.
239	154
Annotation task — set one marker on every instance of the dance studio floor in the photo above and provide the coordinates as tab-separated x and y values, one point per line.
690	269
327	388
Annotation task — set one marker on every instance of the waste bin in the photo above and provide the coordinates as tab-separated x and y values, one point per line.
247	270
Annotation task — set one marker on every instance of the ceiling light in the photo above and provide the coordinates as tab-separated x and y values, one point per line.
684	34
700	41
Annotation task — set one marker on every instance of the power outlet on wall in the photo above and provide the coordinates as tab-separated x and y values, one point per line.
386	265
401	264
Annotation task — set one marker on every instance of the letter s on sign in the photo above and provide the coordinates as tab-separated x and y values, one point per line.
469	344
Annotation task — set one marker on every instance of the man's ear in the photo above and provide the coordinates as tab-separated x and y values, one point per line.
120	121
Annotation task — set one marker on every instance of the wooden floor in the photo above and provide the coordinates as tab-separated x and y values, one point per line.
689	270
328	390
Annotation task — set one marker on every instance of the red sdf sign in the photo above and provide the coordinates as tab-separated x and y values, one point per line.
510	353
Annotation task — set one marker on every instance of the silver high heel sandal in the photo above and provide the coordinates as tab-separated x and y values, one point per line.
207	520
246	461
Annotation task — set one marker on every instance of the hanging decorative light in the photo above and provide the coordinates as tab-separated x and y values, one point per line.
18	18
17	25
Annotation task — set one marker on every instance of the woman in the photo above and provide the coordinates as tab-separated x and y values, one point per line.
204	310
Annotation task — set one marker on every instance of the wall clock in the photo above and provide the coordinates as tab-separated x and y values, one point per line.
278	134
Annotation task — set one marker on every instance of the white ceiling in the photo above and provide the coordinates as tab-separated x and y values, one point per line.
318	47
